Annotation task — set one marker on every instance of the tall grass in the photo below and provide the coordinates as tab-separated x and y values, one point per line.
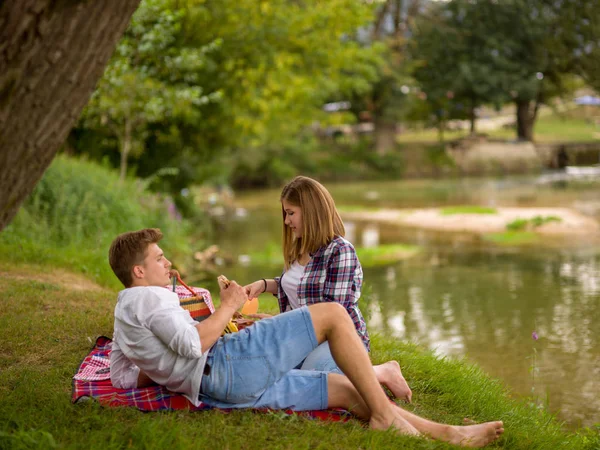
76	210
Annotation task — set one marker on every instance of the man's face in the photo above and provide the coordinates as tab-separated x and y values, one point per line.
154	269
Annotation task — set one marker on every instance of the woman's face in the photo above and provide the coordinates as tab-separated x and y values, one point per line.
293	218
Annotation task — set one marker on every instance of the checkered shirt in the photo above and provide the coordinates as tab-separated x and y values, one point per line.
333	274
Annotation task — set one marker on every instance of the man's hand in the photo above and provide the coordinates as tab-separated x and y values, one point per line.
233	297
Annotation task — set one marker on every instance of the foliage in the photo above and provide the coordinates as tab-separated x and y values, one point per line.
454	62
37	412
223	90
471	53
529	224
152	78
75	212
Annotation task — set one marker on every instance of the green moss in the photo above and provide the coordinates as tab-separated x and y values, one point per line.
512	237
529	224
468	209
385	254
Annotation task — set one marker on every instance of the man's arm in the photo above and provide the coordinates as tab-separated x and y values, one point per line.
210	329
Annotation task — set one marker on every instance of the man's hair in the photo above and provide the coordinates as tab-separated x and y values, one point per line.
129	249
321	221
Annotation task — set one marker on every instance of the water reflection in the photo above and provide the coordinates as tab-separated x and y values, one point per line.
485	308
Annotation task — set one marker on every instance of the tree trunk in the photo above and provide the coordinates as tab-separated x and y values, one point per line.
525	120
385	135
52	53
472	119
441	126
472	115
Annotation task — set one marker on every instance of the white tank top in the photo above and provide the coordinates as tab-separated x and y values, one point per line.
289	283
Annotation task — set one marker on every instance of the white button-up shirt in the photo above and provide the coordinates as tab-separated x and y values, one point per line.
153	333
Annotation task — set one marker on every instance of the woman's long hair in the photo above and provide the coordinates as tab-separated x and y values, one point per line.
320	220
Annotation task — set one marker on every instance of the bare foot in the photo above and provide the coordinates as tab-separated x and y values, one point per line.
397	422
476	435
390	375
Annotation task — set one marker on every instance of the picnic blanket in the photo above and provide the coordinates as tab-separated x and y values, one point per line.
92	381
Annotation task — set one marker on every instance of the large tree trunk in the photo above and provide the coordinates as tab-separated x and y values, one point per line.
52	53
526	116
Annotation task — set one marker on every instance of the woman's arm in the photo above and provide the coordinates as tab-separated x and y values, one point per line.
260	287
342	278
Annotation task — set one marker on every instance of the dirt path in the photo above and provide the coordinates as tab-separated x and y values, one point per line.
571	221
57	277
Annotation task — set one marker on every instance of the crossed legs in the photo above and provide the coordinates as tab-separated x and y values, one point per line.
388	374
360	391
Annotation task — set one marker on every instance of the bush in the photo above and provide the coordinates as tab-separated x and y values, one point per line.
78	208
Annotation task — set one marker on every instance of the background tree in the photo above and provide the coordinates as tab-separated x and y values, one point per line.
391	27
490	52
268	66
454	61
579	36
152	78
53	53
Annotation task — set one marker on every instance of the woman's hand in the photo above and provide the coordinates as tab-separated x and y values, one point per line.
253	290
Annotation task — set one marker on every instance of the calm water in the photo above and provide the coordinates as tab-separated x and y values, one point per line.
463	297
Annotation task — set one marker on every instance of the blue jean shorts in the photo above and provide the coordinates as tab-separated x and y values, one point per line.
321	359
255	368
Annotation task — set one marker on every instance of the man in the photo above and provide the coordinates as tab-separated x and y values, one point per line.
155	340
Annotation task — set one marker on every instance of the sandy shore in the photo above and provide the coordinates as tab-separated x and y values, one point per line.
571	222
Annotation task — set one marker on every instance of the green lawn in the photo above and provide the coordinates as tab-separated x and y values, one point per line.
548	129
49	319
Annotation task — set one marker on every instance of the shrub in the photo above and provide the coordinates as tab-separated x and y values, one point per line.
77	209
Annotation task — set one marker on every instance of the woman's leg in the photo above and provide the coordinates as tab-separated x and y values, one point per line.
332	323
388	374
342	394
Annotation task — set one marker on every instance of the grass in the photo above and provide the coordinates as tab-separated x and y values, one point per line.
81	205
529	224
385	254
369	257
49	319
548	129
467	209
512	237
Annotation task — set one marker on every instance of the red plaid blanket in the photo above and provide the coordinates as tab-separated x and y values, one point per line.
92	381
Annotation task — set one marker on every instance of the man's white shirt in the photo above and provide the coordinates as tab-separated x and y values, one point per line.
153	333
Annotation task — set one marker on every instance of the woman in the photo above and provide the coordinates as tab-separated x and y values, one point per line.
321	266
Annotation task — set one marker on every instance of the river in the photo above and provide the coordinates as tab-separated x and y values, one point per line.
462	296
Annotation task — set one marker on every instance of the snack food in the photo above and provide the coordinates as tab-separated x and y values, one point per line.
223	281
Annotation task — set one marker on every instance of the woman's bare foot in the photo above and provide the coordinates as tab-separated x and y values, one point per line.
390	375
476	435
396	422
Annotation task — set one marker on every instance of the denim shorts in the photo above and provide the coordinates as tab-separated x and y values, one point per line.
255	368
321	359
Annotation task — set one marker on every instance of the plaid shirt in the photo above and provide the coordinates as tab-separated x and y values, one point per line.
333	274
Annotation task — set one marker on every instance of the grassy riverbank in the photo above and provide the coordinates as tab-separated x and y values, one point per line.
50	317
57	295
